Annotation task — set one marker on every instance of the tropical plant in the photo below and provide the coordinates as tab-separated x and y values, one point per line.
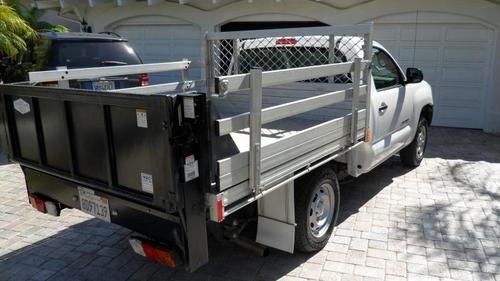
32	17
14	31
19	28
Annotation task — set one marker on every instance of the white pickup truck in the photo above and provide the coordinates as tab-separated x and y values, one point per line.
261	143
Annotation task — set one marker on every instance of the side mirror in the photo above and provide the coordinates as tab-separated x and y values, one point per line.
414	75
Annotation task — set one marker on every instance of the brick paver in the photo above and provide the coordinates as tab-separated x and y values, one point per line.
440	221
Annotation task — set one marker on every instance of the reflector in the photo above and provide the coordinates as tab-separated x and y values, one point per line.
220	210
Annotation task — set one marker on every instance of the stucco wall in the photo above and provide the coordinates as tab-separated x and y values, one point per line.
105	17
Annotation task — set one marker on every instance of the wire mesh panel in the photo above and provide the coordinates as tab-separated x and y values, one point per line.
239	55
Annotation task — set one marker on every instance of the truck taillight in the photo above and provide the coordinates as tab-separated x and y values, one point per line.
44	206
37	203
152	252
144	79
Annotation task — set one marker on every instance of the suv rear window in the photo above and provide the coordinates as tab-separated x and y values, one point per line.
74	54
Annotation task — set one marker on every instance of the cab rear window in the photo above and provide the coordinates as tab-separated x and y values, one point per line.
74	54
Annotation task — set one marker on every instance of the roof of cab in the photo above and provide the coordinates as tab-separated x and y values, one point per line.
82	36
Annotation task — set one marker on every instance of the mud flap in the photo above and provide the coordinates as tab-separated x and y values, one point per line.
276	222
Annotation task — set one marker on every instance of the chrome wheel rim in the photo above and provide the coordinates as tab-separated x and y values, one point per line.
421	139
321	209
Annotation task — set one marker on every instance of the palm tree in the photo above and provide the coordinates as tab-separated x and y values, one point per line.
32	17
14	31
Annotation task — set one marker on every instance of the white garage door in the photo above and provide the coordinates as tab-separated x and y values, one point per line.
164	43
456	61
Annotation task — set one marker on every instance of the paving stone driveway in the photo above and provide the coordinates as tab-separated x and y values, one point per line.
438	222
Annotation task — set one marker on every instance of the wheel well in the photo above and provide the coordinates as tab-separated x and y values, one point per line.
427	112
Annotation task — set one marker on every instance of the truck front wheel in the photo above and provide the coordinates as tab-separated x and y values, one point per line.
413	154
317	198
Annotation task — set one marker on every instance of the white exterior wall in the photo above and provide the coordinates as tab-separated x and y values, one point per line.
486	13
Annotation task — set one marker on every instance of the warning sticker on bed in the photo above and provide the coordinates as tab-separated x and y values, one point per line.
188	107
147	182
142	118
191	168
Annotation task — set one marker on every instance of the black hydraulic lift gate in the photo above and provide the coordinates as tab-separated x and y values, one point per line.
96	140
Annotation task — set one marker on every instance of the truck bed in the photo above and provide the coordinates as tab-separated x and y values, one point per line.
289	143
237	103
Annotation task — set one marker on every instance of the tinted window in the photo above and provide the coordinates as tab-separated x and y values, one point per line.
74	54
384	71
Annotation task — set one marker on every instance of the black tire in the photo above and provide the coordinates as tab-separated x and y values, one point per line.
306	190
413	154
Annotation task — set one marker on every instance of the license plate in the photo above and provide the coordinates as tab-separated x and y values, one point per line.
103	85
94	205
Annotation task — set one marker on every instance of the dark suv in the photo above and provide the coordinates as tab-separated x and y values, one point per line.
84	50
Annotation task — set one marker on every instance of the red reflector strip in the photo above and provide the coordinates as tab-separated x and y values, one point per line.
220	210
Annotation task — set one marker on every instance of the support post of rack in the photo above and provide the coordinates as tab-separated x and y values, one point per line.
331	55
355	100
210	66
62	83
255	128
184	76
367	77
236	56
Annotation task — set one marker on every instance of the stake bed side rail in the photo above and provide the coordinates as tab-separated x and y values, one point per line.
162	88
231	83
225	126
107	71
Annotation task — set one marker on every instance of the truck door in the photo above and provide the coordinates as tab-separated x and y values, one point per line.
391	107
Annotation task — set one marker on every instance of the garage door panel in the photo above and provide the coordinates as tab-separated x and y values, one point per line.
457	117
166	42
421	54
460	74
455	59
423	34
465	54
460	96
470	34
388	33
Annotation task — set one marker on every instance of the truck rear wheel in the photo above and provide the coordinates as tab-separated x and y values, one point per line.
317	198
413	154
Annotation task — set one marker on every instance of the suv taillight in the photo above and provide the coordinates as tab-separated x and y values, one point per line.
144	79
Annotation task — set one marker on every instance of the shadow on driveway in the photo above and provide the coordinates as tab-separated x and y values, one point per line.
458	220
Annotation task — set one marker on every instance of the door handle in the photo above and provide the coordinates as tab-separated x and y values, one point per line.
383	107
